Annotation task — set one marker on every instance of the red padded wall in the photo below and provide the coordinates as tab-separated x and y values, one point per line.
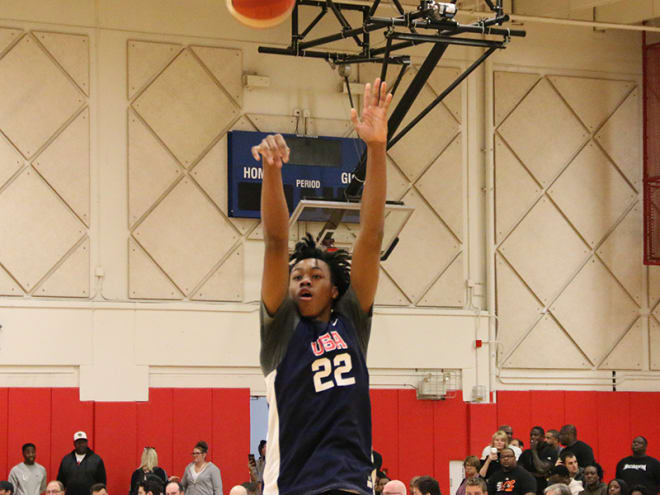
4	396
30	421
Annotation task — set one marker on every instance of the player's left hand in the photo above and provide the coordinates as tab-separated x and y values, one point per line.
372	124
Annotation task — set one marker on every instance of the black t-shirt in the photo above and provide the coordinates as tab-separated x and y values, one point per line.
515	482
583	453
547	453
643	470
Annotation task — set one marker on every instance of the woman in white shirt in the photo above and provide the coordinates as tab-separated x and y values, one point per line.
201	477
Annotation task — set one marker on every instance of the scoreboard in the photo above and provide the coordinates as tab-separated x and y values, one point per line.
319	167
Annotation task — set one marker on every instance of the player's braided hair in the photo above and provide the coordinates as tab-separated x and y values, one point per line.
338	261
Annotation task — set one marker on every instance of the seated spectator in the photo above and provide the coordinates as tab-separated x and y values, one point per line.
618	487
238	490
557	489
560	474
517	442
6	488
381	480
394	487
639	490
100	489
491	462
538	458
476	486
592	480
425	485
173	487
471	466
509	436
152	486
568	459
639	468
552	438
511	479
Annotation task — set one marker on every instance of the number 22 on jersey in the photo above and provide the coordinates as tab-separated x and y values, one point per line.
340	366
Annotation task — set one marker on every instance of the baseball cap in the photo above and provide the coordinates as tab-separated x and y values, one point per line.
79	435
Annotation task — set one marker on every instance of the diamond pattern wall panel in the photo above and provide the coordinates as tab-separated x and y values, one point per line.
622	254
145	279
442	184
593	100
544	250
65	165
7	37
71	277
152	169
186	235
37	98
544	145
515	189
217	288
595	187
145	60
186	108
592	193
558	349
29	253
510	88
8	286
595	310
626	355
440	78
517	308
654	285
388	294
71	51
450	289
620	137
438	249
226	65
654	343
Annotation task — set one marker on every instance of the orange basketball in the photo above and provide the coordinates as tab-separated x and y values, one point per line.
261	13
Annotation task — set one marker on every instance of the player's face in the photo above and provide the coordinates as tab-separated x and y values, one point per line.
310	286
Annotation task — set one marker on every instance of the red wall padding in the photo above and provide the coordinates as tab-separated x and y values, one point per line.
414	437
172	421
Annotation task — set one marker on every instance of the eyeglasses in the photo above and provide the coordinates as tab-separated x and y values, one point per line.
53	491
197	453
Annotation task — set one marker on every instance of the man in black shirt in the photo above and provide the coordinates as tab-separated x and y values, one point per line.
639	468
568	438
538	458
512	479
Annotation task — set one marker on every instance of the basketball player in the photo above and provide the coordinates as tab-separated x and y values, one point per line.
315	326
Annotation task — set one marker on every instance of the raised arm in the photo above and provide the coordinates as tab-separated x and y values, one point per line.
371	126
275	220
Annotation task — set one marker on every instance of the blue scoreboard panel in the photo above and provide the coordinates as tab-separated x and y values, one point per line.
319	167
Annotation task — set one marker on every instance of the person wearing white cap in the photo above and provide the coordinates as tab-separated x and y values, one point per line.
81	468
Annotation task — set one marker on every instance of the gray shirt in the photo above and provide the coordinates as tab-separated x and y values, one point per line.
208	482
28	479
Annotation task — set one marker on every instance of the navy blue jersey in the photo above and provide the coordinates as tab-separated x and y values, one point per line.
319	421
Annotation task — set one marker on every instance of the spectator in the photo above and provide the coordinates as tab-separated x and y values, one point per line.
238	490
639	490
471	465
28	477
568	438
173	488
394	487
592	479
381	480
538	458
148	467
99	489
637	469
54	488
6	488
557	489
201	477
560	474
617	487
425	485
412	483
476	486
568	459
257	466
552	439
81	468
511	479
517	442
151	486
491	462
509	436
250	487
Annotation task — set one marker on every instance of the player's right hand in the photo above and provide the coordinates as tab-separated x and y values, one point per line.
273	150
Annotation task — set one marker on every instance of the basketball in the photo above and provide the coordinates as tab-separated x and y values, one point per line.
260	13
